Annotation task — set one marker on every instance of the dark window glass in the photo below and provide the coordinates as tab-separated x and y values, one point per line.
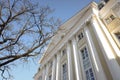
80	36
112	17
64	71
64	51
118	35
50	77
87	64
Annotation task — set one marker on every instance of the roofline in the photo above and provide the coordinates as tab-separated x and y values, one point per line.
79	12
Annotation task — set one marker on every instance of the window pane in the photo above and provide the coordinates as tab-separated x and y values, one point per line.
50	77
112	17
87	64
64	71
118	35
107	20
80	36
64	51
40	78
92	79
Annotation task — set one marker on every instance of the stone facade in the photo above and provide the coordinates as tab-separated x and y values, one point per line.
86	47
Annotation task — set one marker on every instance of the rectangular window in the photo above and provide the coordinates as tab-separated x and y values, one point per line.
89	74
109	19
112	17
81	35
51	63
64	71
87	64
63	52
40	78
118	36
50	77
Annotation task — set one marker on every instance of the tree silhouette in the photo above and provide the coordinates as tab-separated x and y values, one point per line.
25	29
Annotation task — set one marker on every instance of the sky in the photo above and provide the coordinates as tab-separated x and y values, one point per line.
64	9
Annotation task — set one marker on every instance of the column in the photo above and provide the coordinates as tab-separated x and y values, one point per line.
108	51
47	69
44	72
98	68
54	69
76	57
69	58
109	36
58	67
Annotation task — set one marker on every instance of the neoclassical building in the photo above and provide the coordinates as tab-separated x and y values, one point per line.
86	47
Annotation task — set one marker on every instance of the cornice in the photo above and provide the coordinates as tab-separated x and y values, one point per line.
82	17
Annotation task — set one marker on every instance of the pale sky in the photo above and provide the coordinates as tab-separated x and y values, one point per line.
64	9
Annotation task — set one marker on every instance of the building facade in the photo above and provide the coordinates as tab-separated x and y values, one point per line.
86	47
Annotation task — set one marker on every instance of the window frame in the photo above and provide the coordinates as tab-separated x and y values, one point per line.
109	18
62	75
40	77
118	36
81	61
64	51
50	77
80	35
115	38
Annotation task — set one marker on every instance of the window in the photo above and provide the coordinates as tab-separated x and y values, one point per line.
109	19
106	1
89	74
50	77
64	71
63	52
87	64
51	63
118	36
80	36
101	5
85	58
112	17
40	78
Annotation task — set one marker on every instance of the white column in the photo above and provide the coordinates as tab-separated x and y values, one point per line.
69	58
44	72
98	68
108	51
47	69
112	41
58	67
77	60
54	69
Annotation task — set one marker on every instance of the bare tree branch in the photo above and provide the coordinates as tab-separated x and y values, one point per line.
25	30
